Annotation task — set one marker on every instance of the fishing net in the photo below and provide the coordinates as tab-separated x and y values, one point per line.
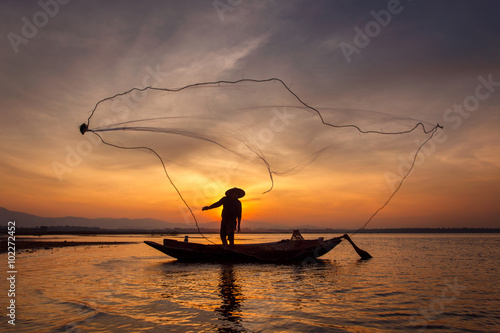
259	135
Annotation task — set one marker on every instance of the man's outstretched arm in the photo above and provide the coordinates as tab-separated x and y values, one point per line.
214	205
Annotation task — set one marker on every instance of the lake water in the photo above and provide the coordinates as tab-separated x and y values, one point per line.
414	283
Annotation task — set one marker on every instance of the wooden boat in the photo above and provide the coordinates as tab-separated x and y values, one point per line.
293	250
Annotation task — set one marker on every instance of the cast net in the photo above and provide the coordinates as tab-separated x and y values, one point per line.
260	136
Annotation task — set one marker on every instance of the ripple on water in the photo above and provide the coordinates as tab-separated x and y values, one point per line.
413	282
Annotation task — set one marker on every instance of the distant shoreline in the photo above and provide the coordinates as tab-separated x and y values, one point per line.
28	245
35	244
170	232
28	224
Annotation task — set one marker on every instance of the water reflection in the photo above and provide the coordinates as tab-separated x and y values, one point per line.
231	298
243	297
127	288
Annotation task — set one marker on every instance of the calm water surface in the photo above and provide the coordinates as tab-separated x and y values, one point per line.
414	283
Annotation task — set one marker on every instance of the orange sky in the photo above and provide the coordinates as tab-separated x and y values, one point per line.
54	80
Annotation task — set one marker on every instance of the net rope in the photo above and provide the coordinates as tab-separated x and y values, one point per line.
129	126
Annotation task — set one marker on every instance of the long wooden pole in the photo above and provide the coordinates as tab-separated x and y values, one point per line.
363	254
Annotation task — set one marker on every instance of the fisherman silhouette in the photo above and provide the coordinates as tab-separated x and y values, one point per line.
231	214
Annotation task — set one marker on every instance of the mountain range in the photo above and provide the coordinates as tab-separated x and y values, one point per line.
24	220
29	221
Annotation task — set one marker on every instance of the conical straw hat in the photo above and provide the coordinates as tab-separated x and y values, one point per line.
238	192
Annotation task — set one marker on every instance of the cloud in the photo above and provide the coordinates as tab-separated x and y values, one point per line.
424	61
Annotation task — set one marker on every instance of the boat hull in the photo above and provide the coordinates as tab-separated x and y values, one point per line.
283	251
